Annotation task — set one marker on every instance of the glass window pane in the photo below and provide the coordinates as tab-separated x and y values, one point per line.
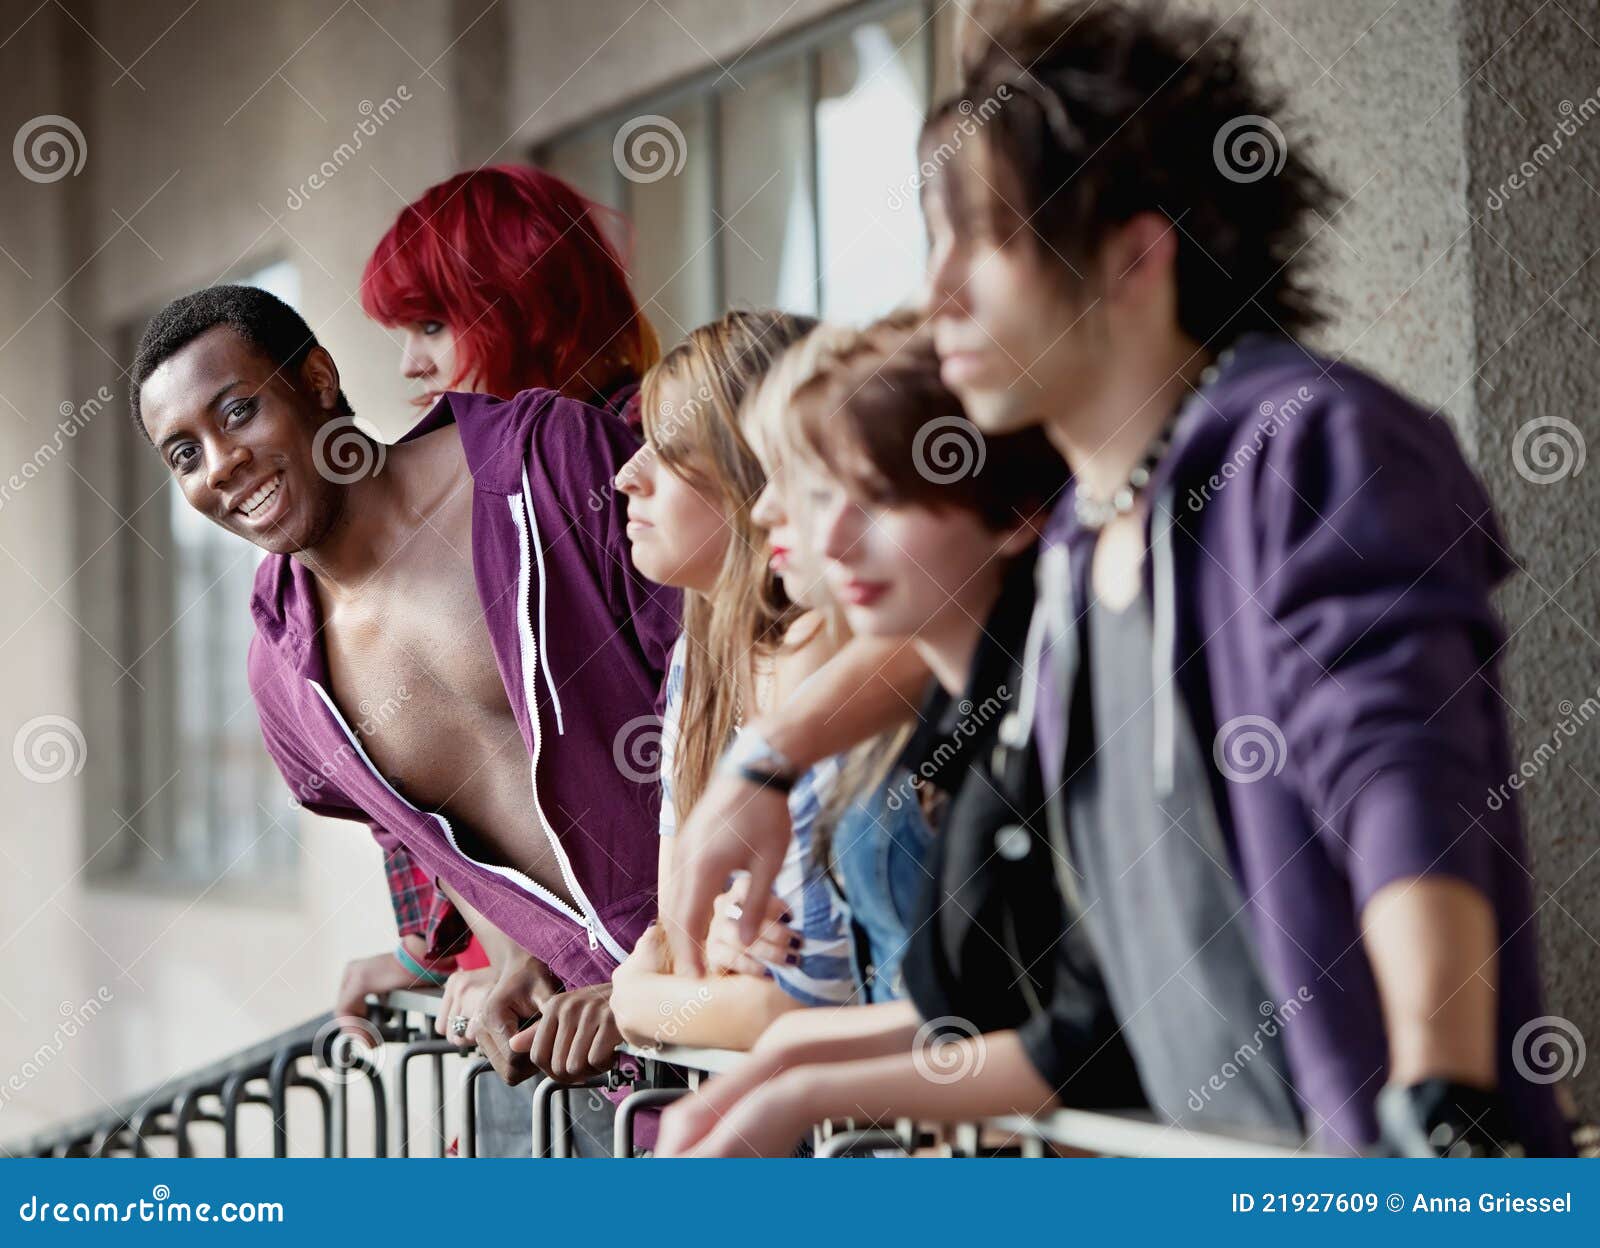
768	237
871	102
666	159
585	161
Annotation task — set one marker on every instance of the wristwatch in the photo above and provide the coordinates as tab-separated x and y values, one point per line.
756	760
1440	1118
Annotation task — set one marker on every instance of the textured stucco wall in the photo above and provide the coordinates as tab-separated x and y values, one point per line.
1536	289
1421	111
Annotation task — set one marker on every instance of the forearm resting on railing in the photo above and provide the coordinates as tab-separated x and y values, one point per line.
959	1081
716	1012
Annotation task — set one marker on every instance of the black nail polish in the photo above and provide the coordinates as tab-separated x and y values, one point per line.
793	960
794	942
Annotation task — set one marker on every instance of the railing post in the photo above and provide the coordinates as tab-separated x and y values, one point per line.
469	1106
187	1111
644	1098
421	1048
279	1079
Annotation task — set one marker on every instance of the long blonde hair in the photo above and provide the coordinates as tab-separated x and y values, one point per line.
745	615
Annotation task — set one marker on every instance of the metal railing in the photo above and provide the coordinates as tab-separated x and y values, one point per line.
316	1062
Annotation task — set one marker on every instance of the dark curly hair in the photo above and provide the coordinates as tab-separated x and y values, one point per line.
261	319
1089	114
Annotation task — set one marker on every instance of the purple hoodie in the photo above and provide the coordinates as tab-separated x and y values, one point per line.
582	642
1321	565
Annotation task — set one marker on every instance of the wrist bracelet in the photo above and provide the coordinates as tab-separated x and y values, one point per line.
402	955
762	779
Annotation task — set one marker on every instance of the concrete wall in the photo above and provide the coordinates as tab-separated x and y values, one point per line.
214	120
1536	306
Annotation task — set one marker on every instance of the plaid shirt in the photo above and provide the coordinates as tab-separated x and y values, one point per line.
421	907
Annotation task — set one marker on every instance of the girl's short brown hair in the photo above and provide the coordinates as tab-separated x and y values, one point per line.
878	417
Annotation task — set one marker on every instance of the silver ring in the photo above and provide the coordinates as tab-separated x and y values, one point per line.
734	911
458	1024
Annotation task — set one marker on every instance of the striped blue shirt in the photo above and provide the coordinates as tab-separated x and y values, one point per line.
821	917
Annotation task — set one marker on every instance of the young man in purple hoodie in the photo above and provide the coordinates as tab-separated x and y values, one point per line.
1261	681
451	641
1266	690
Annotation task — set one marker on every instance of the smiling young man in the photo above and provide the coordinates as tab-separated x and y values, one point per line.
450	637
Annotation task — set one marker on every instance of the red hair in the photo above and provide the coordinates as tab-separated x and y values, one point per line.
518	264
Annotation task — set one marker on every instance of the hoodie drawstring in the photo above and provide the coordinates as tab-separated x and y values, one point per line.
1164	594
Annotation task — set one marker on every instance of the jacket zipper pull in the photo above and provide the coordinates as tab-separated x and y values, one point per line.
588	923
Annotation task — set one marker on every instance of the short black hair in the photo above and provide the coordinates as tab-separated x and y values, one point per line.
1094	113
258	317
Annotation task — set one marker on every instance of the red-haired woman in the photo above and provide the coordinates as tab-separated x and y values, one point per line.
504	279
500	279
